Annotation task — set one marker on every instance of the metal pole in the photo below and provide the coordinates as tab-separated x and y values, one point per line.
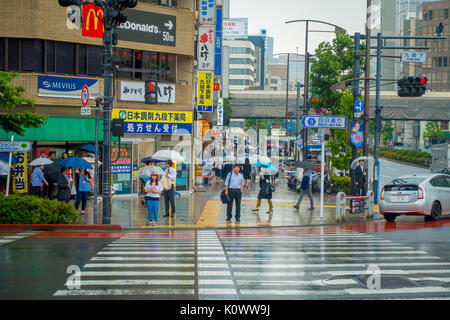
107	64
322	172
306	90
367	90
287	93
355	85
9	170
377	117
297	121
96	179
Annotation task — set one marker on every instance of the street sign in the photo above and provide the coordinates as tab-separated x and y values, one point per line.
330	122
418	57
84	95
318	111
205	108
358	106
15	146
86	111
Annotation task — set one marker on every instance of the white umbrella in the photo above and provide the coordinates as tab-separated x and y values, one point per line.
149	170
168	155
264	159
41	162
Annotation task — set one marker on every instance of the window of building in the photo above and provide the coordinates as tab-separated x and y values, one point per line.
82	59
430	15
124	59
439	61
65	62
425	16
445	13
2	54
95	62
168	67
13	54
445	62
50	56
31	62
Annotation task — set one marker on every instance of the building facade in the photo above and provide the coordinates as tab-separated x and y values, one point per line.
242	64
66	58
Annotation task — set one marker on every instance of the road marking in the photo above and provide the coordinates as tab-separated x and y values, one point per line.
401	272
148	249
135	273
127	282
323	253
139	265
215	282
214	291
337	265
358	291
125	292
430	279
337	258
192	259
297	282
290	292
210	214
156	253
214	273
320	249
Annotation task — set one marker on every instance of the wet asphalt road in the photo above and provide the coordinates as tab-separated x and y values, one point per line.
257	263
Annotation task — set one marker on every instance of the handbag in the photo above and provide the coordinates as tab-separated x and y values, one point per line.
224	197
166	183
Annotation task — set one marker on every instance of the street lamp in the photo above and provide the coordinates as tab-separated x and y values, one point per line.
287	83
337	29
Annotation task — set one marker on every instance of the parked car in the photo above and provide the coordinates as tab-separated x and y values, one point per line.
424	194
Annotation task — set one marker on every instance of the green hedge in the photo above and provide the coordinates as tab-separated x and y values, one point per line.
15	209
405	155
342	183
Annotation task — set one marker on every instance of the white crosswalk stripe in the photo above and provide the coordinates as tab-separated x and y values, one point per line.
17	236
135	266
334	266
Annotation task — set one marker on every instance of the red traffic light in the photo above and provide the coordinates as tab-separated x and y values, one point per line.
423	80
151	86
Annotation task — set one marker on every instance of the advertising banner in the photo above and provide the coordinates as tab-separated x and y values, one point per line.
141	121
92	24
205	49
20	181
63	87
357	133
205	91
134	91
218	44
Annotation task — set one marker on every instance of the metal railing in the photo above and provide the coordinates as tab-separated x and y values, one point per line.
341	204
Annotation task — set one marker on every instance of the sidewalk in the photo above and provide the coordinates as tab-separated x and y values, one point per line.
204	209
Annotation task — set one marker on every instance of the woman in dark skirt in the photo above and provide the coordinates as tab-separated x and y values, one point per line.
265	192
247	172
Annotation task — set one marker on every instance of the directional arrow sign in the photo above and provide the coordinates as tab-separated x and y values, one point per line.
324	122
169	25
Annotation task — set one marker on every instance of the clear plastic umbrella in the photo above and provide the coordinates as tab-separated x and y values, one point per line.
168	155
40	162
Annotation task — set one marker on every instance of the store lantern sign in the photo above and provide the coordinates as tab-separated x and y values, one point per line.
207	12
20	181
205	50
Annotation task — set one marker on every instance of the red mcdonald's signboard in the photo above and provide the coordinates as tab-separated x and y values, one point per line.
92	26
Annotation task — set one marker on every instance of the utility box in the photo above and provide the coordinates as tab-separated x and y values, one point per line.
440	153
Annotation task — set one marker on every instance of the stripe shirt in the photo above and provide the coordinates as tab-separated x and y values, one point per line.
237	180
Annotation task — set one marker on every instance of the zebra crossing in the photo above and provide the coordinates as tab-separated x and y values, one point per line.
146	265
205	265
15	236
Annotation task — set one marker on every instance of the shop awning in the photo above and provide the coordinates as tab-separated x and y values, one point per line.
60	129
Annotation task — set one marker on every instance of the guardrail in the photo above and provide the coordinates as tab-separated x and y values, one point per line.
341	205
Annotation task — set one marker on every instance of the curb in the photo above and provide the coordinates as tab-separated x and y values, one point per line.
61	226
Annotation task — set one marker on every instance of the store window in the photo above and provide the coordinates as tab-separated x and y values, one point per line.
124	59
122	167
65	62
82	59
50	56
95	64
31	62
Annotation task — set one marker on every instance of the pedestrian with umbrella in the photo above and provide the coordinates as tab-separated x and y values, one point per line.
153	189
83	187
37	177
51	174
168	180
305	187
266	190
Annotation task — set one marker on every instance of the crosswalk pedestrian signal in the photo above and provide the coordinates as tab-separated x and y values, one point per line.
412	86
151	92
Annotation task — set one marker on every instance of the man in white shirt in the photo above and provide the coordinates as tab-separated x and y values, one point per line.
169	195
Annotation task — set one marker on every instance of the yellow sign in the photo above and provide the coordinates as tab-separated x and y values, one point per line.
205	89
149	116
20	181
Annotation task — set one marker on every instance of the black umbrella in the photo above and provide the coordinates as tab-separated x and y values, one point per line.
150	159
305	165
52	171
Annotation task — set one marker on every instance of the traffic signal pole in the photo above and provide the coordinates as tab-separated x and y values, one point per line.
355	89
377	117
108	99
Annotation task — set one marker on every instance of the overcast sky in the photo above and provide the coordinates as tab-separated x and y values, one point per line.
272	15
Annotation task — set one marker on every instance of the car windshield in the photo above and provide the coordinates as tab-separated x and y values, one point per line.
412	180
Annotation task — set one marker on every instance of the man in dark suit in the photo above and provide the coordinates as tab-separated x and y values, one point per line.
361	175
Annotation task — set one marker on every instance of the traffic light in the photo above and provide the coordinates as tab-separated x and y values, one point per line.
151	89
412	86
67	3
439	29
118	126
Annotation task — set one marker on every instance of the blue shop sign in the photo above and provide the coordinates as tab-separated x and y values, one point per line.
64	87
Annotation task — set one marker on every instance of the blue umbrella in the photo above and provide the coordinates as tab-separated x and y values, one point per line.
87	147
150	159
4	156
75	162
269	166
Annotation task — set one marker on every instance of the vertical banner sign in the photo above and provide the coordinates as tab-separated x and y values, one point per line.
205	54
20	182
92	24
220	112
218	46
207	10
205	91
357	133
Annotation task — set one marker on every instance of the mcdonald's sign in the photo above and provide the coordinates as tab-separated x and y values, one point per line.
92	26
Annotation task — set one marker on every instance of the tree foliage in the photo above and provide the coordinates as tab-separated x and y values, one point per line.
10	98
433	130
333	62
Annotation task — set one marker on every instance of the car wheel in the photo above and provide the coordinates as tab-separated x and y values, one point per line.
436	211
390	217
328	190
